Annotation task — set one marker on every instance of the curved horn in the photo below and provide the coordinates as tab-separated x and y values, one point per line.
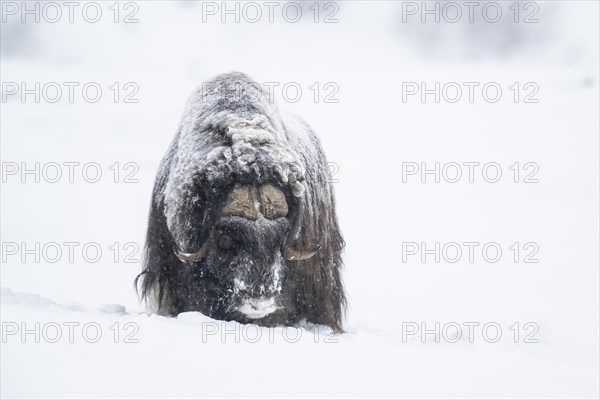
299	255
193	257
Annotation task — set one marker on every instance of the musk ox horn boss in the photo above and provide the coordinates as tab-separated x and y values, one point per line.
242	224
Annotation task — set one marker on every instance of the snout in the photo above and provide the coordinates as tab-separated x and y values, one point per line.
255	308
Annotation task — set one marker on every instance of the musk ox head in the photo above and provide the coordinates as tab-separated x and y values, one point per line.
242	224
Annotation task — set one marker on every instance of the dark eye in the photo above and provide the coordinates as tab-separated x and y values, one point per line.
225	242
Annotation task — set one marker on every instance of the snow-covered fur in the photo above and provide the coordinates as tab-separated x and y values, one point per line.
232	135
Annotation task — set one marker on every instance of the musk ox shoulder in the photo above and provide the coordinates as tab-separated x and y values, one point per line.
242	224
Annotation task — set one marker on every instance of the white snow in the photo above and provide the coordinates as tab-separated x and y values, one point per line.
73	328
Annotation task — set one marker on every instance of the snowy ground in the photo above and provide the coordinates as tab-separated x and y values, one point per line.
109	347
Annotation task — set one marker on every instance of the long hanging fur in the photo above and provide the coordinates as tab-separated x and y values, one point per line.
232	134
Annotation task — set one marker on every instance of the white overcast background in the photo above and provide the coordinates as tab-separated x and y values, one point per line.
373	52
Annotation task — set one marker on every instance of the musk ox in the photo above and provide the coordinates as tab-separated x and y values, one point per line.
242	224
